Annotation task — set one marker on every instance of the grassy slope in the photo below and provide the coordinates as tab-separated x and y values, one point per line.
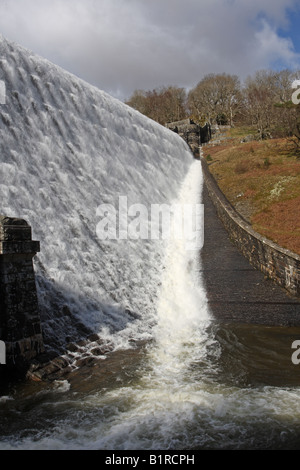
262	180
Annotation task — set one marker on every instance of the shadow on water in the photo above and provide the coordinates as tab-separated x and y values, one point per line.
68	316
232	386
78	334
257	321
240	394
246	355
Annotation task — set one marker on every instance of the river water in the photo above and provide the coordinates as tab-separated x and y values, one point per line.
214	387
196	383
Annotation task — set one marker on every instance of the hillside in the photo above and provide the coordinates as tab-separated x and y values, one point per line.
261	179
66	147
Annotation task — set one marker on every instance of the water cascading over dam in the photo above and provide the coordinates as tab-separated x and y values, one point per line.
66	149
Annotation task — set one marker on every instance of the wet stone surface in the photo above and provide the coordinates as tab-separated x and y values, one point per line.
235	290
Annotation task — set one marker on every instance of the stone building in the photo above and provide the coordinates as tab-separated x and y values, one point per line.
192	133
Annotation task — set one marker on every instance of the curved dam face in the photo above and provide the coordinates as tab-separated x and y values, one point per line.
68	153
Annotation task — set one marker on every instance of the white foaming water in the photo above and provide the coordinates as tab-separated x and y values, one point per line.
163	390
182	307
177	397
65	149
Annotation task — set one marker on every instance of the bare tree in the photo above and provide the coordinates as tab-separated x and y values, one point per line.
267	96
264	101
288	111
216	98
260	93
163	105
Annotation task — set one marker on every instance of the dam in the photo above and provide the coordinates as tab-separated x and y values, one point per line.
170	348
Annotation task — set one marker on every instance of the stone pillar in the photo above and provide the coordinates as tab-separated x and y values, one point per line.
20	327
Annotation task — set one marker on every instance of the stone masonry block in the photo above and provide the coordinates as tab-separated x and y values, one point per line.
20	326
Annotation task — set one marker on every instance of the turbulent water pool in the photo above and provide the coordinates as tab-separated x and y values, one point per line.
192	383
175	378
214	386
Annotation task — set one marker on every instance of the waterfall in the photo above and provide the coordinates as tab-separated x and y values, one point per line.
67	148
182	306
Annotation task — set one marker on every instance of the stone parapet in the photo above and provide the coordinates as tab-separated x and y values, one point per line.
279	264
192	133
20	327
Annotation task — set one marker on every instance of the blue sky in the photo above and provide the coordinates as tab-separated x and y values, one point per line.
291	32
124	45
294	28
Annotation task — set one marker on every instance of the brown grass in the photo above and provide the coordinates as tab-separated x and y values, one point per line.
281	223
261	178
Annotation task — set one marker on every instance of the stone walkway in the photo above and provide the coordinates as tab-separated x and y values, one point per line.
236	291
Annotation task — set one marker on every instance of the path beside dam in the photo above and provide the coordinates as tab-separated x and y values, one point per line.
236	291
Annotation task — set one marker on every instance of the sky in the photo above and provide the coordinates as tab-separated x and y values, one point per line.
125	45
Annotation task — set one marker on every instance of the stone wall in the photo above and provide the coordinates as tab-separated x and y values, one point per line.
279	264
20	327
192	133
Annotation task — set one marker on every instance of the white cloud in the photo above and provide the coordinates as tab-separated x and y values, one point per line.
272	48
122	45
